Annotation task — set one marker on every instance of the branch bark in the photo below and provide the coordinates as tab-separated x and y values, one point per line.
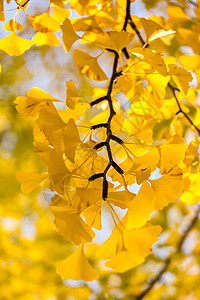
108	97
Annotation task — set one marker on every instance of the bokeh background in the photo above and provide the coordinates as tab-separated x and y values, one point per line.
30	247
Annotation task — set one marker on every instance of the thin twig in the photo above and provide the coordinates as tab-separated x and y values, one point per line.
174	89
180	109
167	262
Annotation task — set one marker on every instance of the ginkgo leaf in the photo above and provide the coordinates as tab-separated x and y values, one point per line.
59	13
88	65
76	113
114	40
140	208
69	35
43	151
142	175
153	30
112	245
12	25
130	247
76	267
149	160
33	102
52	126
70	224
167	188
92	216
13	44
105	20
39	94
58	172
150	26
158	84
161	33
45	23
181	77
72	94
124	261
172	153
71	139
30	181
152	57
140	241
46	38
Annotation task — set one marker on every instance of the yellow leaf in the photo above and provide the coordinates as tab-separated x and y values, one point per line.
181	77
152	57
140	208
112	245
29	181
52	126
39	94
149	160
140	241
158	84
167	188
124	261
114	40
70	224
142	175
93	216
33	102
12	25
130	247
76	267
13	44
60	14
72	94
69	35
43	151
172	153
161	33
47	38
58	172
105	20
153	30
45	23
76	114
88	65
71	139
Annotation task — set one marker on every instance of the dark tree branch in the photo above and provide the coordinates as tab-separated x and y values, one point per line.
108	97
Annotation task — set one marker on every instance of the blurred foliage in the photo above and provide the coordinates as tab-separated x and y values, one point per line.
30	247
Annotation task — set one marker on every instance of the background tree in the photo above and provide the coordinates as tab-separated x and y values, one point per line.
125	148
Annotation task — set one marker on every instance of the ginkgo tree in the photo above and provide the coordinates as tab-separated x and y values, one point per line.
140	126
